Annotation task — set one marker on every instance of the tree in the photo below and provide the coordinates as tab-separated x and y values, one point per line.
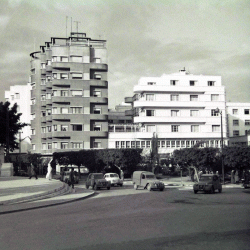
154	156
10	125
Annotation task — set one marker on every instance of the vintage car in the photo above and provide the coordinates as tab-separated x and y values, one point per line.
114	179
66	174
147	180
97	181
208	183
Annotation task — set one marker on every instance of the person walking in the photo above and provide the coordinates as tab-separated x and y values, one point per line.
32	171
49	171
72	178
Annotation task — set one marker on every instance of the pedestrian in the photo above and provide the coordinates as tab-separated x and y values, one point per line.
72	178
232	177
49	171
32	171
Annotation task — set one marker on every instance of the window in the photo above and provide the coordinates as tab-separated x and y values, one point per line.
76	145
194	112
48	96
64	110
246	111
43	129
193	98
54	127
151	83
43	113
173	82
55	145
55	75
143	144
48	111
168	144
183	144
117	144
97	111
192	83
64	145
43	65
138	144
177	144
132	144
76	110
148	144
64	127
195	128
150	128
64	59
210	83
97	93
54	110
188	144
235	111
33	101
174	97
235	122
150	112
76	92
175	128
48	78
12	97
122	144
172	144
44	146
43	97
76	58
76	75
49	62
64	76
33	131
33	146
76	127
49	129
98	76
127	144
214	112
49	146
97	144
33	85
175	113
17	96
97	60
215	128
236	133
214	97
97	127
33	116
247	122
64	93
149	97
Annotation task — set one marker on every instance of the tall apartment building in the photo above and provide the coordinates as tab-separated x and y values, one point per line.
69	95
238	115
181	109
20	94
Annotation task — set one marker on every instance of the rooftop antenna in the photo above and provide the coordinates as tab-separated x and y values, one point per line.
77	25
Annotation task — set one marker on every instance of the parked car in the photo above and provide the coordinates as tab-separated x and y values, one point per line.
66	175
147	180
208	183
114	179
97	181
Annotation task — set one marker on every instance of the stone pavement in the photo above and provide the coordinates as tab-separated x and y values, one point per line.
21	193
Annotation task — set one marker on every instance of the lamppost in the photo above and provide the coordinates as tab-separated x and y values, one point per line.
218	111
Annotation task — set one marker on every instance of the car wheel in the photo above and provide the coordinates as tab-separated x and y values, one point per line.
220	190
135	186
108	188
212	190
149	187
161	189
121	185
95	187
195	191
87	186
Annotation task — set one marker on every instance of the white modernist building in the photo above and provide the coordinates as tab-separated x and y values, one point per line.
20	94
238	116
181	109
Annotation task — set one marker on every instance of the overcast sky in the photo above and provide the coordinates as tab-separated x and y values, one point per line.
144	38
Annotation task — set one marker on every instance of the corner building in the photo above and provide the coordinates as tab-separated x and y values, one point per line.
69	96
180	109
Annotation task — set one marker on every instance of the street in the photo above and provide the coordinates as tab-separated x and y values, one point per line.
124	218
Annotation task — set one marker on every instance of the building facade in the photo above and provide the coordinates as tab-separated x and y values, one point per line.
69	96
181	109
238	116
20	94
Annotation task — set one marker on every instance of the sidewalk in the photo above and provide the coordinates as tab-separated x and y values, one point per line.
21	193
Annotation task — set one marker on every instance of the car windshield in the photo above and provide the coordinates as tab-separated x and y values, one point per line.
206	178
114	175
98	176
150	176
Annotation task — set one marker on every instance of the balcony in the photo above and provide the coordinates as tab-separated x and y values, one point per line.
61	82
43	119
98	117
48	118
62	117
129	112
48	68
98	66
43	87
61	65
48	102
49	85
99	134
43	71
62	134
98	83
61	99
102	100
170	104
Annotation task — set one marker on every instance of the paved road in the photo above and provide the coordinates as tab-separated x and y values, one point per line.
135	219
